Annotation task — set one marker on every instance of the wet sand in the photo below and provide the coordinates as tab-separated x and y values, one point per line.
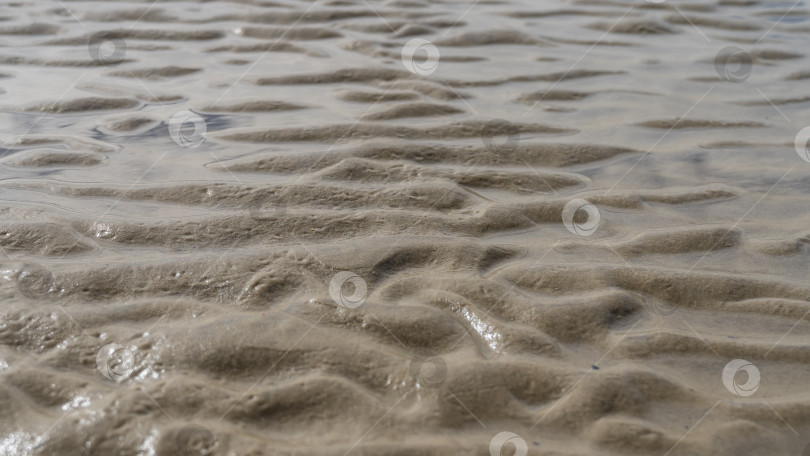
273	227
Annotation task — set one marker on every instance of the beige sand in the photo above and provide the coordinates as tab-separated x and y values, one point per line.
252	227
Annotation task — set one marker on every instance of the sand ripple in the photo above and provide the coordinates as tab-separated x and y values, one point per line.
270	227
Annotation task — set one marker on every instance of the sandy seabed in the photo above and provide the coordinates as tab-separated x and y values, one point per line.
405	227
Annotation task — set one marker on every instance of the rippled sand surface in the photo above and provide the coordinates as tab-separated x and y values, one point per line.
406	227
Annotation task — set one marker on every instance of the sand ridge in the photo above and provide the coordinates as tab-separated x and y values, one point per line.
396	227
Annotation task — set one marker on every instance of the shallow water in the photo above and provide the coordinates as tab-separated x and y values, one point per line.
287	228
